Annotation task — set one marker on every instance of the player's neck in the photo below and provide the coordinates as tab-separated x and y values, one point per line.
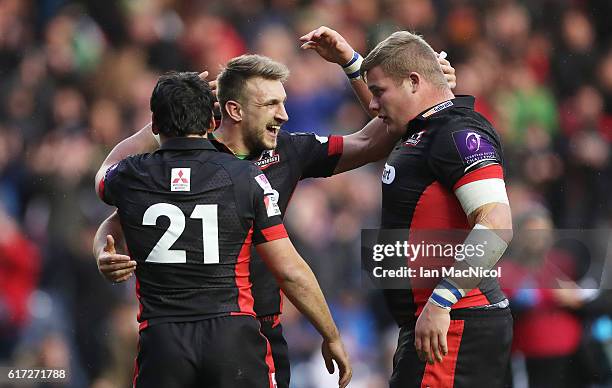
231	136
435	97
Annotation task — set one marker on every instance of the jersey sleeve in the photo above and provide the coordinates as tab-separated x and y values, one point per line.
464	155
267	221
318	155
109	184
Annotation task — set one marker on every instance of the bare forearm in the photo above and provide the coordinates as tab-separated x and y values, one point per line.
112	226
372	143
363	95
303	291
487	242
140	142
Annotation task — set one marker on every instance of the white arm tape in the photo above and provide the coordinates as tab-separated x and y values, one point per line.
156	136
475	194
493	247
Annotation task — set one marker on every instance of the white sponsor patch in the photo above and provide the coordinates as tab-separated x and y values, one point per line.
180	179
270	196
388	174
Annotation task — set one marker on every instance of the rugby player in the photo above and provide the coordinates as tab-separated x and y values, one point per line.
446	172
190	215
251	97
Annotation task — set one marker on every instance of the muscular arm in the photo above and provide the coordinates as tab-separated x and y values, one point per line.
140	142
495	222
299	284
373	142
498	219
114	266
301	287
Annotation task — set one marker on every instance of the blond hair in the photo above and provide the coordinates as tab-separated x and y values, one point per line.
231	81
402	53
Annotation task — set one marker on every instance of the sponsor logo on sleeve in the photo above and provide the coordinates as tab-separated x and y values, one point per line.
388	174
111	171
270	196
473	147
180	179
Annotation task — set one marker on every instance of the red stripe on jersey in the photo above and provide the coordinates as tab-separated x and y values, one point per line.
442	374
144	324
136	368
438	208
101	189
243	282
336	144
269	362
487	172
275	232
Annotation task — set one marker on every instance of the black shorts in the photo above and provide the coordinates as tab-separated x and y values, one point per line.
222	352
478	353
273	330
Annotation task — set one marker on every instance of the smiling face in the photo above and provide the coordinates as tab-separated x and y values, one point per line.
263	113
394	101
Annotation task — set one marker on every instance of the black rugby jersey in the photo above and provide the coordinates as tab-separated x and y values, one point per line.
296	156
190	215
444	148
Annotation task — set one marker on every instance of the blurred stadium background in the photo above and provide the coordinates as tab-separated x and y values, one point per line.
75	79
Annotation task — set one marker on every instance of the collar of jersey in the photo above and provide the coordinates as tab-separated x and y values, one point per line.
187	143
461	101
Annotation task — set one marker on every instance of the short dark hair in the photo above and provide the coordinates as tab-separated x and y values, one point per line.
182	104
233	76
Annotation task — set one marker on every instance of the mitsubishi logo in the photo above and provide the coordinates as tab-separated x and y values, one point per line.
180	178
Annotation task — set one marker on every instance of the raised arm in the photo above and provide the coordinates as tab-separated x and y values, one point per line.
373	142
141	142
332	47
301	287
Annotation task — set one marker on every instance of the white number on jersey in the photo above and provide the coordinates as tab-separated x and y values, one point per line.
161	252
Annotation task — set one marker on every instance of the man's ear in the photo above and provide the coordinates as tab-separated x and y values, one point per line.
233	110
414	81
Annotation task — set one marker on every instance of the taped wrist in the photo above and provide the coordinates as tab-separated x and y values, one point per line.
351	69
447	292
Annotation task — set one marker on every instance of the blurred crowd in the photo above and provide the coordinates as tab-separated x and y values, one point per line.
76	78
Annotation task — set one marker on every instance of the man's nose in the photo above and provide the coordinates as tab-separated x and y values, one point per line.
374	104
281	114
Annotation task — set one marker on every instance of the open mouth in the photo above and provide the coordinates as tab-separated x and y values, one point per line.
273	129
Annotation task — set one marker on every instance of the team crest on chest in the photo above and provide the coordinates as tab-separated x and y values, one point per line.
414	139
267	158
